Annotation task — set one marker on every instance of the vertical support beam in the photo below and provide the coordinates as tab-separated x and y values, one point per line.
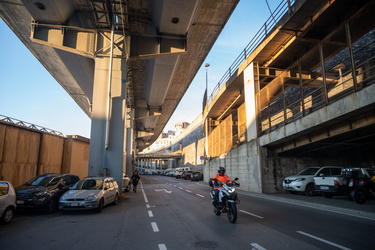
302	96
129	142
351	56
321	55
110	158
251	119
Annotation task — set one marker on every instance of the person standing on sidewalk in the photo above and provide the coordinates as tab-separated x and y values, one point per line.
135	178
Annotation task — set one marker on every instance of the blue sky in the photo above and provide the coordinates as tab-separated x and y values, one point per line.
30	94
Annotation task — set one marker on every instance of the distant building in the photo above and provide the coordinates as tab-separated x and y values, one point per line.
166	138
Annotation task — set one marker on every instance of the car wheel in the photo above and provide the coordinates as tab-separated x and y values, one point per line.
51	206
115	202
309	191
7	215
100	206
127	189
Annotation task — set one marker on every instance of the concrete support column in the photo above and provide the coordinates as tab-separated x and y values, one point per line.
108	119
251	116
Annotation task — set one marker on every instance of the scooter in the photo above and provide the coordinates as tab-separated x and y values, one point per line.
227	199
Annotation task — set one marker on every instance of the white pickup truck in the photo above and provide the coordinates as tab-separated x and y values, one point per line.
336	180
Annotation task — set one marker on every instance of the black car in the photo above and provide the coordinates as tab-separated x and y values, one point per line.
43	192
196	176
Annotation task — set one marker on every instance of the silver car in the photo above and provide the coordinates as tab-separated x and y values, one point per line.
7	202
91	193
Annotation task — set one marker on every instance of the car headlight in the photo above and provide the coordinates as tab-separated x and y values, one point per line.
40	194
91	198
63	198
300	179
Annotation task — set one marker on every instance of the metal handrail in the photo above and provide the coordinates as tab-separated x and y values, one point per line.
263	32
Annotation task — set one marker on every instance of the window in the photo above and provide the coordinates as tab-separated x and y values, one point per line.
4	188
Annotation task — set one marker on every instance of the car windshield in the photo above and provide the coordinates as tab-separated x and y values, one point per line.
309	171
88	185
43	181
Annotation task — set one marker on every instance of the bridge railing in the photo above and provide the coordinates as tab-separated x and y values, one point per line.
263	32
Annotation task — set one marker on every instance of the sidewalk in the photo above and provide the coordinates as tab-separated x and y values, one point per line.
338	204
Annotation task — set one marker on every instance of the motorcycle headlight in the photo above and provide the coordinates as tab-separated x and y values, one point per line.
231	190
91	198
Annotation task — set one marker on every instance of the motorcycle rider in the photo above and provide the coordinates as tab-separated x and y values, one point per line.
222	178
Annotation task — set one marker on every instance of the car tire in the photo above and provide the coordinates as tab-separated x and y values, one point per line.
309	191
115	202
99	209
7	215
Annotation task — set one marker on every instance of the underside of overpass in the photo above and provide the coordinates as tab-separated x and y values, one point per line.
304	62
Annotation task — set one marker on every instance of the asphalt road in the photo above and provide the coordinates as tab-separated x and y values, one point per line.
167	213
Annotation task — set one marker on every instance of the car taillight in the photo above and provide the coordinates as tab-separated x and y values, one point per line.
363	182
336	183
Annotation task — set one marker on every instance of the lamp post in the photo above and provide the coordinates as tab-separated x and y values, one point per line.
207	65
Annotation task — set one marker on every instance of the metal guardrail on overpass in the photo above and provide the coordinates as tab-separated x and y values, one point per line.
263	32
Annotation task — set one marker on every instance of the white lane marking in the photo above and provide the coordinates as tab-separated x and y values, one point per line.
165	190
162	247
200	195
150	214
180	188
175	186
260	217
188	191
257	246
323	240
148	205
154	227
144	195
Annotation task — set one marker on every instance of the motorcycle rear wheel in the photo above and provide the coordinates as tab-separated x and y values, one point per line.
232	212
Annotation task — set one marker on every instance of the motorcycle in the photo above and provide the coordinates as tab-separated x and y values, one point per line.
227	199
364	190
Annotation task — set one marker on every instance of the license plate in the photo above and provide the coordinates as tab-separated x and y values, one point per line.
324	188
74	204
350	184
20	202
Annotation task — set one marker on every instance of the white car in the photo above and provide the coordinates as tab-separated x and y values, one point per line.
7	202
91	193
303	182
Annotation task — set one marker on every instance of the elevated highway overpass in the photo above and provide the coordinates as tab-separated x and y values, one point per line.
127	64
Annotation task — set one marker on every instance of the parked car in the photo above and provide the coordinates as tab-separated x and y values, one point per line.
186	174
126	183
196	176
44	191
303	182
7	202
91	193
329	181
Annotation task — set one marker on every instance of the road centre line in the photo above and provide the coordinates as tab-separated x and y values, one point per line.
180	188
257	246
200	195
162	247
144	195
188	191
260	217
154	227
323	240
150	214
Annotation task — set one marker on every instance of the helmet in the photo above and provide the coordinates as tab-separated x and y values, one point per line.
221	169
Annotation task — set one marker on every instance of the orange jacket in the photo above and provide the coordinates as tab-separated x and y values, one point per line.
222	179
